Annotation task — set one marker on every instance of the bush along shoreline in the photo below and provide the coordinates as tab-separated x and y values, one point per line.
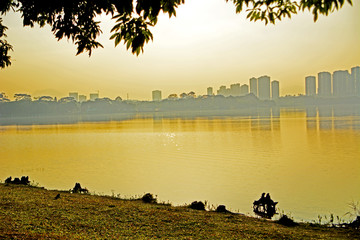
31	212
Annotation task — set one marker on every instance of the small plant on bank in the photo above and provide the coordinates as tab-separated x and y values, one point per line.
319	219
197	205
331	220
339	220
222	209
20	181
34	184
149	198
286	221
354	213
355	209
208	206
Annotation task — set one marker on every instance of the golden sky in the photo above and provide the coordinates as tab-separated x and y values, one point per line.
207	44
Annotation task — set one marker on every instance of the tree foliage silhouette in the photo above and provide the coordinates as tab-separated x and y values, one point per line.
75	19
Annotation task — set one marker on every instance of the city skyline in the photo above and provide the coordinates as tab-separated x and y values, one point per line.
340	83
189	53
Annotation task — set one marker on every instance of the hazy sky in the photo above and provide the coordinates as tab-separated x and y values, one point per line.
207	44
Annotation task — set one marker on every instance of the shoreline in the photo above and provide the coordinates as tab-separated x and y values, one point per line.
31	212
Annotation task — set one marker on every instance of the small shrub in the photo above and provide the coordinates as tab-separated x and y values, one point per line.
356	223
148	198
8	180
221	209
23	181
286	221
197	205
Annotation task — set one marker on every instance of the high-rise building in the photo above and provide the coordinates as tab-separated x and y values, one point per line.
210	91
235	89
275	91
355	76
156	95
253	82
74	95
310	86
324	84
82	98
351	86
222	91
94	96
244	89
264	87
340	83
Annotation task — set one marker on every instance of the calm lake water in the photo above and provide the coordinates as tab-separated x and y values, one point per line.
310	164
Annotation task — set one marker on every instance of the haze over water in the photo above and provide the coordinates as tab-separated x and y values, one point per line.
309	164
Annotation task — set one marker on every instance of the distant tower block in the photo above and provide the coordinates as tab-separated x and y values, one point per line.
244	89
340	83
156	95
222	91
355	76
210	91
74	95
94	96
82	98
235	89
253	86
275	91
310	86
264	87
324	84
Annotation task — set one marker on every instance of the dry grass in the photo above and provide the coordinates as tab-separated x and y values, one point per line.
33	213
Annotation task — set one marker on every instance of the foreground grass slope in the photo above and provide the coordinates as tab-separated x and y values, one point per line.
34	213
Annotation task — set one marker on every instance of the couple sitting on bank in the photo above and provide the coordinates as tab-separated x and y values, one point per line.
265	206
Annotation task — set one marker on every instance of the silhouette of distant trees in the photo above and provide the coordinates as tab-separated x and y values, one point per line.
46	98
46	106
3	97
76	19
22	97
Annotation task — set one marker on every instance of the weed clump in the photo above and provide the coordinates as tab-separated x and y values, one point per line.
197	205
23	181
149	198
356	223
355	212
286	221
222	209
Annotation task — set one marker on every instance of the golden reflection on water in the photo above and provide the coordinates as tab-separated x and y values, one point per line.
308	162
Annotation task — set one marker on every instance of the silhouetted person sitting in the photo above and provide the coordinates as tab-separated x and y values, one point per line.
270	206
259	205
265	206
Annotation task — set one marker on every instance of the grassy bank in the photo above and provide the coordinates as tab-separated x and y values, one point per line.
33	213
